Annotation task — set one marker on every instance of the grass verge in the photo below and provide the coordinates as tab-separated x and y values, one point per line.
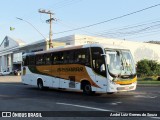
149	81
152	82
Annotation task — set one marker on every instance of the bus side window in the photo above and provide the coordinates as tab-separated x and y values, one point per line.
31	60
25	61
71	56
67	56
40	60
55	58
59	58
82	56
47	58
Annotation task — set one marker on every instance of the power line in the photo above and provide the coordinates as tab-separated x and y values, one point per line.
126	27
61	3
142	27
109	19
67	3
141	32
134	31
72	26
146	34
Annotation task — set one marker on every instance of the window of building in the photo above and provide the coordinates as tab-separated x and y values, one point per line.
6	42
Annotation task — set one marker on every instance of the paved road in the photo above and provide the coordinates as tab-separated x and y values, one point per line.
15	96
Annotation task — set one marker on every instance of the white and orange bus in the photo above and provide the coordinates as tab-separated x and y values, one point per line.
91	68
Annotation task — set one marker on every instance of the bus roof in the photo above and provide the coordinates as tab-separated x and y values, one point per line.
72	47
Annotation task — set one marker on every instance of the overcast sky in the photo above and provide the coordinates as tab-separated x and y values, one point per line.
71	14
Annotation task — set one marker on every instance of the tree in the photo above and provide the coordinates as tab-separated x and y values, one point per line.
148	68
142	68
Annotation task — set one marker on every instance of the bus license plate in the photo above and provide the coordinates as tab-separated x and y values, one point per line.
126	88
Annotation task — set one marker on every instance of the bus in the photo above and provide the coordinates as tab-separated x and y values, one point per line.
89	68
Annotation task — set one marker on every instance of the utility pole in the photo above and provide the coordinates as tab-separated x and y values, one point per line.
50	22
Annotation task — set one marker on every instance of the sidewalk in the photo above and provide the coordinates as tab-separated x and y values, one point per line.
10	79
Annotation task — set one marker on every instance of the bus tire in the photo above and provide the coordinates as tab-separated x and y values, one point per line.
87	89
40	84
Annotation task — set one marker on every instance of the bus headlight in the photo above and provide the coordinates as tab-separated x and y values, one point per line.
112	82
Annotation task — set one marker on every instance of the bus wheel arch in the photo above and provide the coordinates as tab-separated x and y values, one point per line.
86	87
40	83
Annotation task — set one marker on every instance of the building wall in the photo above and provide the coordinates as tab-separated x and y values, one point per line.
68	40
7	48
8	43
17	57
139	50
11	55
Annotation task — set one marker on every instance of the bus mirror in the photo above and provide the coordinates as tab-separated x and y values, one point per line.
108	59
103	54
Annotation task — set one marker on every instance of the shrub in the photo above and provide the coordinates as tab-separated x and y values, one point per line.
148	68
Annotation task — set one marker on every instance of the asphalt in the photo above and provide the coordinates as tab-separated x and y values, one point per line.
15	96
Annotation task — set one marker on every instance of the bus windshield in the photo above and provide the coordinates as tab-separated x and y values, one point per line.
120	62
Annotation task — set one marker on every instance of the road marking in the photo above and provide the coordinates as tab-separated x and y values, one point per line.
142	96
93	108
116	103
99	109
156	117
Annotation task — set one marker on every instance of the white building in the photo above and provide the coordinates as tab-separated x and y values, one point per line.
11	50
7	55
139	50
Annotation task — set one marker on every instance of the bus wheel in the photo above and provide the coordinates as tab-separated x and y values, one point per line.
87	89
40	84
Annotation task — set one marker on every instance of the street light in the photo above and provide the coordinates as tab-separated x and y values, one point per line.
33	27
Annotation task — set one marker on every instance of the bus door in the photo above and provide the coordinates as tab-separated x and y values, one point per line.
99	68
